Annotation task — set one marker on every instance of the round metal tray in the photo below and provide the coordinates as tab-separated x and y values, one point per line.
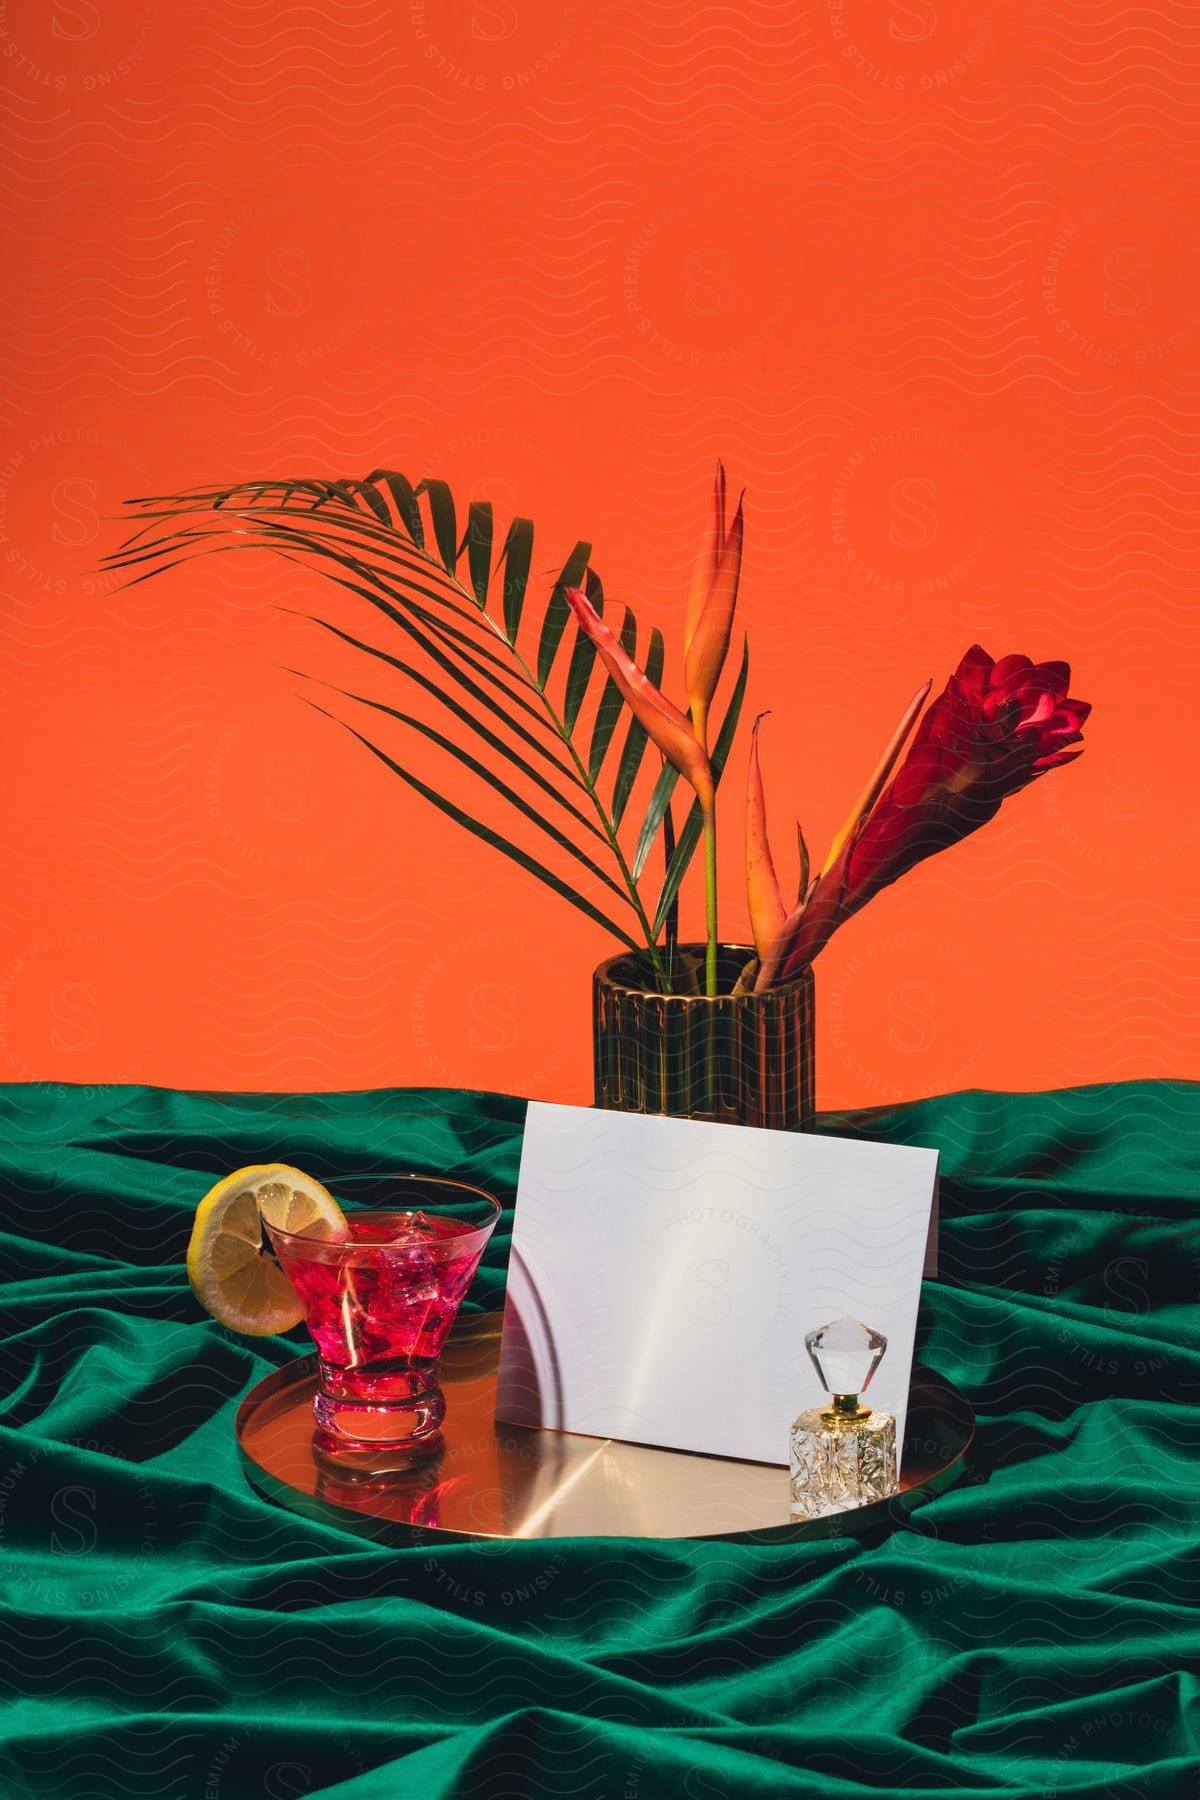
507	1481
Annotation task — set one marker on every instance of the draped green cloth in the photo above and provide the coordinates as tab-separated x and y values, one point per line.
167	1633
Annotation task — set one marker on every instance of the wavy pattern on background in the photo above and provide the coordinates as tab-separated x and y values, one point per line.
564	258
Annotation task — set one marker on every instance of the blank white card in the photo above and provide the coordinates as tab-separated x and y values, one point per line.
665	1271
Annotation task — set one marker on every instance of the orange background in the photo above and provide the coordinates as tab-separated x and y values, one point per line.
564	255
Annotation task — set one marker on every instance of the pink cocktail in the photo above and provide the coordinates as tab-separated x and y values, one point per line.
379	1303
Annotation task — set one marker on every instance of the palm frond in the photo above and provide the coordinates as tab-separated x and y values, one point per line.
492	779
461	713
458	595
487	835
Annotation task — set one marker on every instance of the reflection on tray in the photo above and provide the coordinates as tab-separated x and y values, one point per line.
503	1481
412	1498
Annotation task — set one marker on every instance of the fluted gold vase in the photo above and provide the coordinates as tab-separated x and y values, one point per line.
743	1059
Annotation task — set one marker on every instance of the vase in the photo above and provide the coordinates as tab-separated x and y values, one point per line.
741	1059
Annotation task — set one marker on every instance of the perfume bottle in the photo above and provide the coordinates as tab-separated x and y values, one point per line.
842	1455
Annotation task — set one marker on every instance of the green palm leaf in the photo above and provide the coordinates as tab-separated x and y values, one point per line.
493	781
478	543
583	657
460	602
410	617
660	800
487	835
518	554
465	717
558	611
404	498
441	509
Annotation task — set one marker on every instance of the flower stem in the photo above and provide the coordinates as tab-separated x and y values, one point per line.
672	919
699	715
710	897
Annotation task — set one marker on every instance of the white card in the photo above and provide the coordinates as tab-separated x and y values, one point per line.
664	1273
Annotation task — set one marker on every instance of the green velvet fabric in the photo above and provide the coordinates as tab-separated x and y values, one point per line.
167	1634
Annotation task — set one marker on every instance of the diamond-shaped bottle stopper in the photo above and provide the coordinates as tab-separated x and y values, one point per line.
845	1355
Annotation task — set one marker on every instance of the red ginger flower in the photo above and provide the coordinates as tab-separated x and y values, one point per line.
994	728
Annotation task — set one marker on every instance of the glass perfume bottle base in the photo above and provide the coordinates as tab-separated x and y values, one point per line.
841	1462
808	1508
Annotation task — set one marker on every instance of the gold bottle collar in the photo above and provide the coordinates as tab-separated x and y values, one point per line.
845	1407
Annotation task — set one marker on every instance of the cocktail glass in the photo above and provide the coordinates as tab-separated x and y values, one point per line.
380	1304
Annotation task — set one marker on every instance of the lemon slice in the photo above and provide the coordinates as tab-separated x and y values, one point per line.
231	1276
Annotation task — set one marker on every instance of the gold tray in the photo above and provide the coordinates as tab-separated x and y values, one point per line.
507	1481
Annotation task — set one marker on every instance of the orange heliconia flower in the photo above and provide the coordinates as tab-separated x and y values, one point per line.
659	717
712	601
